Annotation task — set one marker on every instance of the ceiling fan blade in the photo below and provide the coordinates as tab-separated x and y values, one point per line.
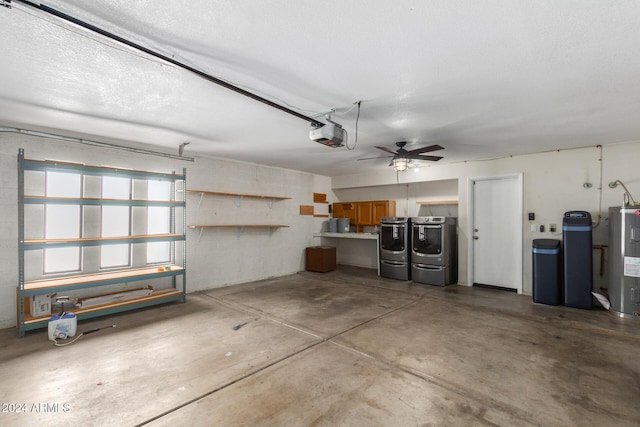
426	149
413	156
386	149
371	158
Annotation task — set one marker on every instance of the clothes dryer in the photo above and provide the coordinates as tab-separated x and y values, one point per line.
434	254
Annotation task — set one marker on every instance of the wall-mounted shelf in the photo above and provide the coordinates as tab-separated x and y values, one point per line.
240	227
438	202
240	196
29	289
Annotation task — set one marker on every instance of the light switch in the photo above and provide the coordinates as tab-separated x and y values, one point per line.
534	228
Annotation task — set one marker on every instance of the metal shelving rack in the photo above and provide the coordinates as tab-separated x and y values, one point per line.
60	284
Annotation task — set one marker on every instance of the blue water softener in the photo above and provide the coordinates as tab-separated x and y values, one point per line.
578	261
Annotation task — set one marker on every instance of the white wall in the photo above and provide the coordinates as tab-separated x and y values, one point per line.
553	184
221	256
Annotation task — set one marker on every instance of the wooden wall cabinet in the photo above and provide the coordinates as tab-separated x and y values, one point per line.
366	213
382	208
345	210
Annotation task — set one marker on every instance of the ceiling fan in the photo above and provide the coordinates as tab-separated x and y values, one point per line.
402	158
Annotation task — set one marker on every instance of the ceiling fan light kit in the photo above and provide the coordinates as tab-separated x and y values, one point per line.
401	157
401	165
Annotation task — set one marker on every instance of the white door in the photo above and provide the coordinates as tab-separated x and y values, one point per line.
496	241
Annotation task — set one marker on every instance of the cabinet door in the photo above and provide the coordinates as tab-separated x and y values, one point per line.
382	208
364	213
345	210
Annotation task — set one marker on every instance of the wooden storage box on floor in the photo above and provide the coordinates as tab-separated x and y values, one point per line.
321	258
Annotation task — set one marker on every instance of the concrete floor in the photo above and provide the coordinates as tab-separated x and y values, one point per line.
341	348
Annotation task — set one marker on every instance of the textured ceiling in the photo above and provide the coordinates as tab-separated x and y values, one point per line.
482	79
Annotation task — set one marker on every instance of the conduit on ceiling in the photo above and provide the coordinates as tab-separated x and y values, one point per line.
201	74
95	143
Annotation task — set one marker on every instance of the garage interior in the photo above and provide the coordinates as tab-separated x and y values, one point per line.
166	171
334	348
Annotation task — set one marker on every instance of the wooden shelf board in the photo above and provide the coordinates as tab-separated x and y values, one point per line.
239	225
321	215
253	196
94	278
156	295
438	202
101	239
306	209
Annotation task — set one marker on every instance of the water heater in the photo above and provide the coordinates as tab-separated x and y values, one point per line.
624	261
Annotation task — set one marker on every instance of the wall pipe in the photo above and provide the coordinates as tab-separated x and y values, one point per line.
95	143
201	74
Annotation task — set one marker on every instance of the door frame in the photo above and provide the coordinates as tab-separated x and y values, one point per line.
519	223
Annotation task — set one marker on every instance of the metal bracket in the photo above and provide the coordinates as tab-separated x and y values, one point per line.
5	3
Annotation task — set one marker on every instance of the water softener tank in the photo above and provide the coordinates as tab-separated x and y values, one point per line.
578	260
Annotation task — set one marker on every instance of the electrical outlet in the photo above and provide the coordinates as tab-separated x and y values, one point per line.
534	228
552	228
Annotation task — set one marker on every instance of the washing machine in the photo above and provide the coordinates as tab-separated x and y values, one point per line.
394	246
